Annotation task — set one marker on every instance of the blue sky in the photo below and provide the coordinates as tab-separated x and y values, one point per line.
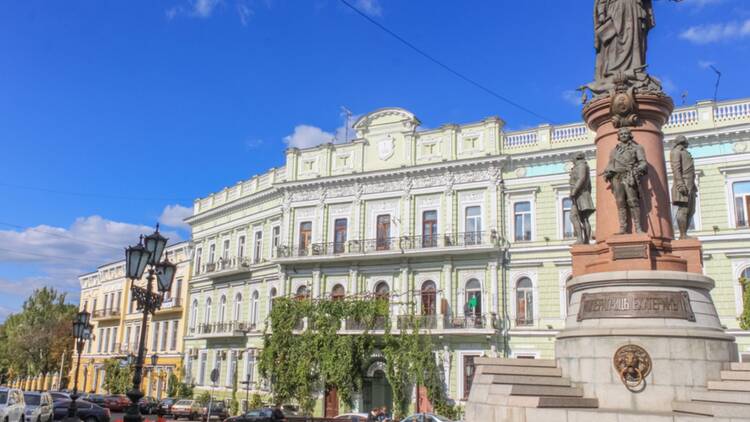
115	115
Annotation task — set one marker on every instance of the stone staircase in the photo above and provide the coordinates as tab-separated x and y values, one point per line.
529	383
728	398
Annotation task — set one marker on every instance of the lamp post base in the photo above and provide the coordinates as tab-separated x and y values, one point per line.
133	412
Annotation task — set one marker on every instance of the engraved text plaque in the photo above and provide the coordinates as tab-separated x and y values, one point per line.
638	304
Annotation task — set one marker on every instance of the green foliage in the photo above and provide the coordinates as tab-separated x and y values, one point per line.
234	404
117	379
203	398
745	317
184	391
33	341
172	385
255	401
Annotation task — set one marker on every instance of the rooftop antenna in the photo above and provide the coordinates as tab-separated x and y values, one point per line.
348	115
684	97
718	80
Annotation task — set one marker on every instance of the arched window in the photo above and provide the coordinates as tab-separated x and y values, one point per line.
473	304
271	297
428	293
254	308
302	292
194	314
524	302
237	313
222	308
338	292
382	291
207	312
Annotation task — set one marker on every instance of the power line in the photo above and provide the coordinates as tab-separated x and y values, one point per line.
91	195
443	65
61	235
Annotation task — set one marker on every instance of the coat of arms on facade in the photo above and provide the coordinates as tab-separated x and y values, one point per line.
386	147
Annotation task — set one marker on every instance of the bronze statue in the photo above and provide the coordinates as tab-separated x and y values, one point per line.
580	194
684	190
627	164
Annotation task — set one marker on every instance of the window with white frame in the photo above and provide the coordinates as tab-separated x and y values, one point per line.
275	240
211	253
217	362
741	194
193	315
258	247
231	367
473	299
254	305
198	256
271	297
175	331
473	225
106	340
207	312
237	312
164	335
225	251
522	221
524	302
155	335
429	229
114	340
566	206
202	368
222	308
249	368
744	284
241	247
429	295
339	235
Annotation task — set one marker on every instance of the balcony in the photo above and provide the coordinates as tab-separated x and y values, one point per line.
408	322
224	329
352	324
224	267
470	322
438	244
105	314
173	304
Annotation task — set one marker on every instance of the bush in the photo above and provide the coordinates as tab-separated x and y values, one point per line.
745	317
203	398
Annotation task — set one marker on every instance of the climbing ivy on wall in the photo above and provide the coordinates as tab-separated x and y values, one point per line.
301	364
745	317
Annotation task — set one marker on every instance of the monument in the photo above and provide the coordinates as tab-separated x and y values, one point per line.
642	339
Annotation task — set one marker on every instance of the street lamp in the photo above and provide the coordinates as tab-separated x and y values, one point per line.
81	332
146	257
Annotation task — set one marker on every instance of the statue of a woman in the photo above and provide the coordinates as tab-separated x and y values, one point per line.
621	35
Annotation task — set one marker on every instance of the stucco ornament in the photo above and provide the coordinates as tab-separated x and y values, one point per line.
386	148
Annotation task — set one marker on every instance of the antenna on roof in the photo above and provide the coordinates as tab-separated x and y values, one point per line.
348	115
718	80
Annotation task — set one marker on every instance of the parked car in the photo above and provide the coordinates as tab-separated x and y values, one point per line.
219	411
164	407
12	406
38	407
253	415
147	405
59	395
426	417
87	411
116	402
353	417
187	409
97	399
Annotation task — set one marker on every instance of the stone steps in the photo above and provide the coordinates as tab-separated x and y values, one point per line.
735	375
530	380
739	397
729	385
523	370
722	410
738	366
534	390
546	363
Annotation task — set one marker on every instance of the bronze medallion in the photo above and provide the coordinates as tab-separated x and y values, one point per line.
633	364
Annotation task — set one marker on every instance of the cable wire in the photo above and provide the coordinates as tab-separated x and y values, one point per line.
443	65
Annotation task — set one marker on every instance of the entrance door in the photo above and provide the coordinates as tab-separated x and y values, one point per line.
383	233
305	237
377	392
332	403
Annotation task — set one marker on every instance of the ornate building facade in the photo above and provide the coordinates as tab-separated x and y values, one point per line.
467	223
117	324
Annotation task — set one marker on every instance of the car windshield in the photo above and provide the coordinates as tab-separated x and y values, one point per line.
32	399
3	397
184	403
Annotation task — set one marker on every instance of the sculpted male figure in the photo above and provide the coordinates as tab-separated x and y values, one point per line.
627	164
580	194
684	190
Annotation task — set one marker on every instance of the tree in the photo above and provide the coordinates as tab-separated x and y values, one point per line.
33	341
745	317
117	378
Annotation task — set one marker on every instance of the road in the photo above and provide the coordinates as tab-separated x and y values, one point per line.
118	417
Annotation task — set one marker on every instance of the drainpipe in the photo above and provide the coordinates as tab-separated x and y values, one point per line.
505	249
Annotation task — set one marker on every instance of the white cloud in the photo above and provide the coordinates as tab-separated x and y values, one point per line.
711	33
306	136
58	255
204	8
245	13
198	9
371	7
174	216
668	85
572	97
253	143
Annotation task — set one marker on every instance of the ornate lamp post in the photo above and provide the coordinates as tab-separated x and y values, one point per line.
81	332
147	253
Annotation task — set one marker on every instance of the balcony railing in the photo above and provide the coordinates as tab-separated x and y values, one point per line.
403	243
229	264
353	324
105	313
127	348
408	322
228	329
469	322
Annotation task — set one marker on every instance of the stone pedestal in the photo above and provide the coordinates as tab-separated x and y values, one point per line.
685	352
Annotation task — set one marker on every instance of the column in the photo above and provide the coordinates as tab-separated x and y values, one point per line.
449	195
354	279
282	282
316	282
492	190
448	283
493	287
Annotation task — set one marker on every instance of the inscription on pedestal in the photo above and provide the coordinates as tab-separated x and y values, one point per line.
629	252
638	304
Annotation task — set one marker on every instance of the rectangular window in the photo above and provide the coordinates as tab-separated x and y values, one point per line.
339	235
137	339
383	232
473	226
178	288
567	225
154	335
231	367
175	325
198	256
119	301
211	253
522	220
258	247
305	236
93	307
164	335
113	348
217	362
429	229
241	247
249	368
225	250
126	341
107	332
101	341
202	369
469	369
741	191
276	239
